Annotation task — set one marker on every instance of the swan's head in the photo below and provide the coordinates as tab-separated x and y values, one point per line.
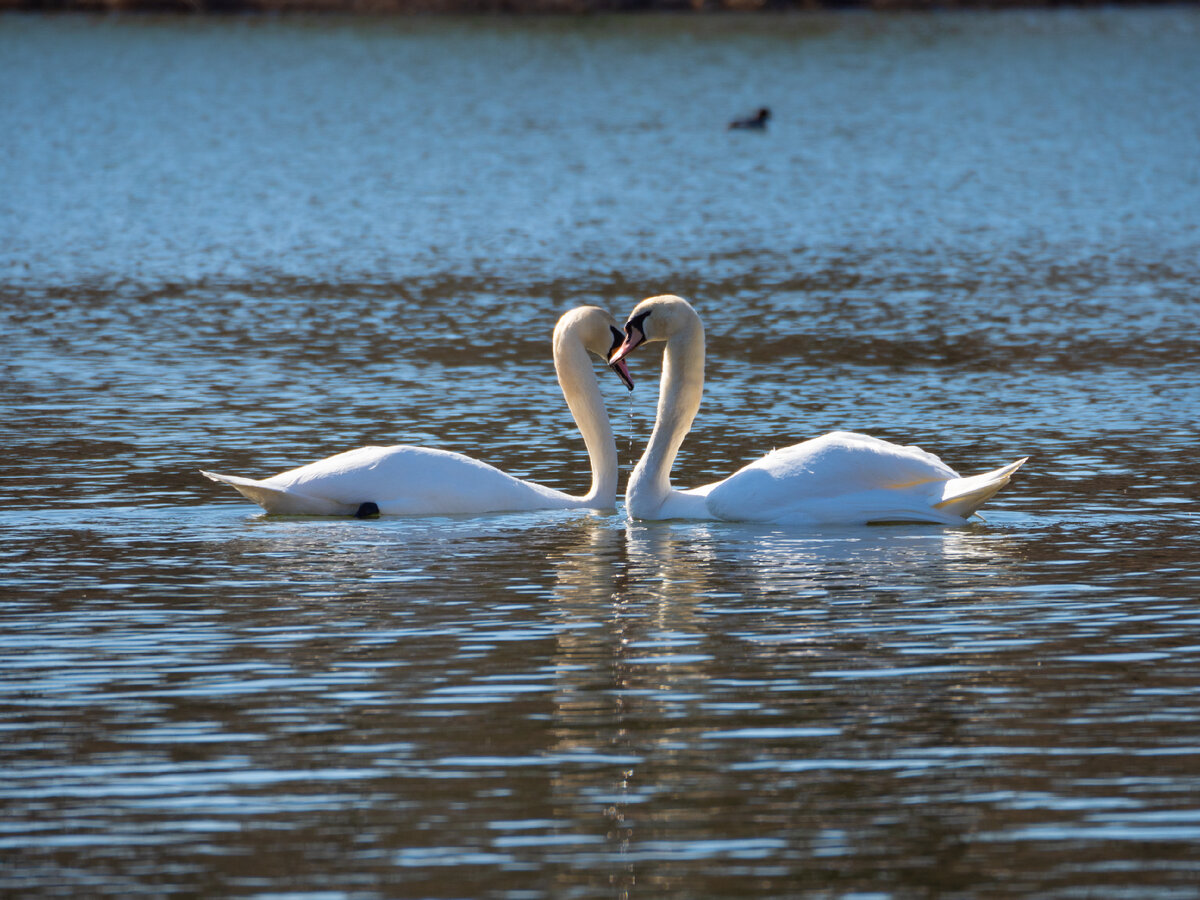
599	333
655	319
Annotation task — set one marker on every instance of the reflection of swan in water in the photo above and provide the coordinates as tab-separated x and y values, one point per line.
698	640
407	480
627	664
840	478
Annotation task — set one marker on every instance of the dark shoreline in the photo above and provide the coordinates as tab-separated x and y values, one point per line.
534	7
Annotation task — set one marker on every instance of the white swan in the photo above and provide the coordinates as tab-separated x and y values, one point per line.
840	478
407	480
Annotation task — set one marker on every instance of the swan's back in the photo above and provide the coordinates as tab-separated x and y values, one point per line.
838	477
399	480
409	480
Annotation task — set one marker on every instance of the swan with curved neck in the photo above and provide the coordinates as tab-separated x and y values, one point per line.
839	478
416	481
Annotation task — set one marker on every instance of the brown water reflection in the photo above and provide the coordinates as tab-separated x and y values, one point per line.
676	708
199	699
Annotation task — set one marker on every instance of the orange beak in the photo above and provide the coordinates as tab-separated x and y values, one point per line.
622	371
618	364
633	338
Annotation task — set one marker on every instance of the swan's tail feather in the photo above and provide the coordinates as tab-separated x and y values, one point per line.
962	496
264	495
276	501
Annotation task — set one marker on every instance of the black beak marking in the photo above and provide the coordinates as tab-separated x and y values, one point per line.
637	323
618	339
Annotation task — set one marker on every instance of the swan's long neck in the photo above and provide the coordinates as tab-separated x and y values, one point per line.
581	389
678	401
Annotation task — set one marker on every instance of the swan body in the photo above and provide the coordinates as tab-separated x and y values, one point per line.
841	478
415	481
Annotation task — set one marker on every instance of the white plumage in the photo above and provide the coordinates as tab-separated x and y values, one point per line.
839	478
406	480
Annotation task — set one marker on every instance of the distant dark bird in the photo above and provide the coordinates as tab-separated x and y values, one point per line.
759	120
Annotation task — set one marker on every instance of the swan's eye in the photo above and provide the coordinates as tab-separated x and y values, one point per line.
637	322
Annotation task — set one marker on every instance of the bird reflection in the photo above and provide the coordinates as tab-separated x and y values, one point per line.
647	667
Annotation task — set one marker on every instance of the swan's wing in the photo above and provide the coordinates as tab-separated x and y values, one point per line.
408	480
946	502
839	477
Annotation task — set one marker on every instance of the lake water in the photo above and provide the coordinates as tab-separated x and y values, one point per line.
244	244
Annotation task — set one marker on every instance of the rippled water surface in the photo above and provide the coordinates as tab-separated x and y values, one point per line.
244	244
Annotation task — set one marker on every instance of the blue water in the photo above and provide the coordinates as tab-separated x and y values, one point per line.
244	244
